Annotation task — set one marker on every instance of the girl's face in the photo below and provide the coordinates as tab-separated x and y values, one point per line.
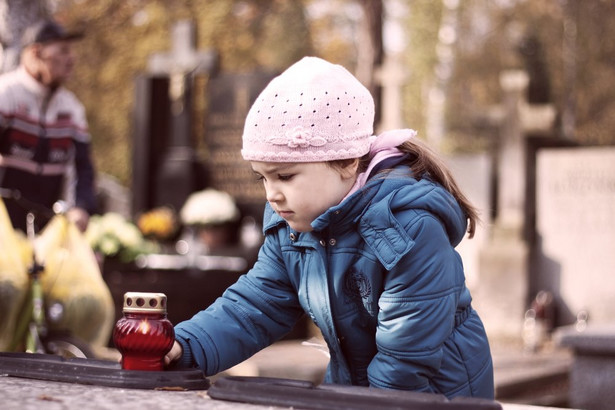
300	192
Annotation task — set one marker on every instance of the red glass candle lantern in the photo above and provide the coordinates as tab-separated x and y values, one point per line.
144	335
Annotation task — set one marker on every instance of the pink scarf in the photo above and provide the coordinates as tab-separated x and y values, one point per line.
382	147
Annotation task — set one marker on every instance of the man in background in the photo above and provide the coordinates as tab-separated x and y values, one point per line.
44	139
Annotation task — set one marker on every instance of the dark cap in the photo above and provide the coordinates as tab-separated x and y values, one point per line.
47	31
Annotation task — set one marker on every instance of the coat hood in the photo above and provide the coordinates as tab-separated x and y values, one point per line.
376	204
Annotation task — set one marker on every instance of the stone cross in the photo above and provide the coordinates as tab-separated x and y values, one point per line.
176	177
503	290
516	118
180	64
183	57
391	76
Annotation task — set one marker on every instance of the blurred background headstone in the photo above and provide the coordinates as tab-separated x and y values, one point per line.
230	97
166	168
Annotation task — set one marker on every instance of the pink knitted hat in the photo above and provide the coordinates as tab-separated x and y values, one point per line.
314	111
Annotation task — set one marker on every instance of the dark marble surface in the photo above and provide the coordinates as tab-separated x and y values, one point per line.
288	359
592	374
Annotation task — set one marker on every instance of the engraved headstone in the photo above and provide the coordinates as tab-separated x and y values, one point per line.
150	138
163	131
576	229
230	97
503	294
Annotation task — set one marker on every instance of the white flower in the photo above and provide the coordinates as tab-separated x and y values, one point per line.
129	235
111	234
209	207
109	245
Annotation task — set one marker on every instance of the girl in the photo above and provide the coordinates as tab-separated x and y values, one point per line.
359	234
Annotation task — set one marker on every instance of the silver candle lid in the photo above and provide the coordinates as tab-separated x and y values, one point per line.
145	302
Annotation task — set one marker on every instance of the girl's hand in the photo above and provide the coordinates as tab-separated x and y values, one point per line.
174	354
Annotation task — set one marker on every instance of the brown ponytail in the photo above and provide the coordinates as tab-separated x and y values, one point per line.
424	161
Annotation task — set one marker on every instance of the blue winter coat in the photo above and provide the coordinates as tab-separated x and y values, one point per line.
381	279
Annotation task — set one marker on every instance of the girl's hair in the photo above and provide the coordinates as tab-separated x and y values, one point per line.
424	162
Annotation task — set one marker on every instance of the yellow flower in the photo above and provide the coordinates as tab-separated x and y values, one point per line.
159	223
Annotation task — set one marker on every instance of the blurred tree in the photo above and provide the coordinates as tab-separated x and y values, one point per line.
370	55
15	16
576	55
565	45
590	21
121	35
420	59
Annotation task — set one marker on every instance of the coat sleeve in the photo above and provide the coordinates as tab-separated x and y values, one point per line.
6	110
417	310
260	308
84	190
84	187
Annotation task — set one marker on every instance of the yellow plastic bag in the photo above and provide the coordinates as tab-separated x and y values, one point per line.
13	277
72	277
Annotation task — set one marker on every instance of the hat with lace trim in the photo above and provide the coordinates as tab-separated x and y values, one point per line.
314	111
